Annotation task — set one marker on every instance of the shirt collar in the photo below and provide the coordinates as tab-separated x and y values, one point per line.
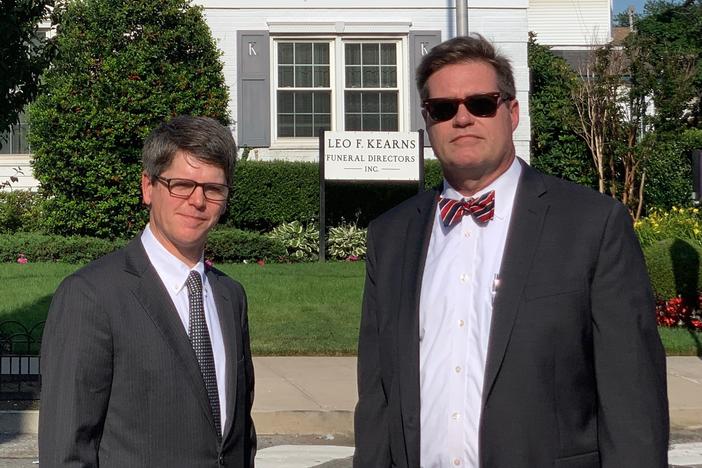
505	187
172	271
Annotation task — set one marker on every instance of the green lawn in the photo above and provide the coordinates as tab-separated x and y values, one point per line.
310	308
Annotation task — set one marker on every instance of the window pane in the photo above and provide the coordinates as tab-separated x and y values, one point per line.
371	103
371	122
285	53
303	102
388	102
303	76
286	77
387	54
321	53
371	54
286	102
322	103
353	77
4	143
388	122
352	101
286	125
321	77
388	77
353	122
303	125
303	53
371	77
353	54
322	121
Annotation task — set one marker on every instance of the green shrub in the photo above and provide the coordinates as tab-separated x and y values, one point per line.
347	240
123	67
20	210
301	242
52	248
675	268
234	245
678	223
267	194
669	168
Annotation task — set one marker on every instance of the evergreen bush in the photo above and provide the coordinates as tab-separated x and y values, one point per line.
122	68
20	210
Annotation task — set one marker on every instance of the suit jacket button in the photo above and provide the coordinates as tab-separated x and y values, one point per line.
221	460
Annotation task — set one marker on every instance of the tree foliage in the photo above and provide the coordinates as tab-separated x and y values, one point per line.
122	68
24	54
669	37
555	146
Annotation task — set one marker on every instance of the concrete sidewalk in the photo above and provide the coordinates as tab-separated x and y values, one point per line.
317	395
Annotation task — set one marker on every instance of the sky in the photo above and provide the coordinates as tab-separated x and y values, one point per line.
621	5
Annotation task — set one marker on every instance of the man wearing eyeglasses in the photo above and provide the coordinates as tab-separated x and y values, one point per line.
145	356
508	320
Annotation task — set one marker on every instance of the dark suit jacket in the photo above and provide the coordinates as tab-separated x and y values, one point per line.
575	373
121	386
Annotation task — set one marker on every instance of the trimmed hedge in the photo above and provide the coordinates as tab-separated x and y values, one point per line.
267	194
234	245
675	268
224	245
52	248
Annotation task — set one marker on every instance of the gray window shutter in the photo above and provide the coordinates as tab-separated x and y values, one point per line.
253	89
421	42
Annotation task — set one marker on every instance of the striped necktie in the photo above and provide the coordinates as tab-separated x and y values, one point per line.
482	209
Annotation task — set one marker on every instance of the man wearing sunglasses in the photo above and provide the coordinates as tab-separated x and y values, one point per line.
145	355
508	320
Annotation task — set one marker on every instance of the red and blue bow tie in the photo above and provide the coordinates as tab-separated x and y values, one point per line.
482	209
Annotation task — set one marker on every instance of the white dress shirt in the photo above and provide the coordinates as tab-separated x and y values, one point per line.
460	278
174	273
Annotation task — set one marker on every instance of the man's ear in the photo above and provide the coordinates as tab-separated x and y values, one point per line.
146	187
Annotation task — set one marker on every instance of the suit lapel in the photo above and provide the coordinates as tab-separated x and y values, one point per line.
415	247
150	292
528	215
226	316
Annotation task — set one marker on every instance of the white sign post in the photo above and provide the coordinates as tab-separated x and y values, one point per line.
367	157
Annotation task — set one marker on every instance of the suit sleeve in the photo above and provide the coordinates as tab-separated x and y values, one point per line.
249	379
76	369
370	420
629	358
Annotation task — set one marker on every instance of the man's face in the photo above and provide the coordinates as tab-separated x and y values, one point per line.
473	151
182	224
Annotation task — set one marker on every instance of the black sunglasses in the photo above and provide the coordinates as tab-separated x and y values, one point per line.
480	105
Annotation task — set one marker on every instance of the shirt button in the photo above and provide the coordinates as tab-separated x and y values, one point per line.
456	416
466	234
464	277
458	369
456	461
461	323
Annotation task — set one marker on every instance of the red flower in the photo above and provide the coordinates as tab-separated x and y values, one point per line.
261	262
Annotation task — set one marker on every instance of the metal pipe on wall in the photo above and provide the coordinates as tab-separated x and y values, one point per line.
461	17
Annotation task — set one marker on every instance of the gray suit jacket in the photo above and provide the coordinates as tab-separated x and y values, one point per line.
121	386
575	372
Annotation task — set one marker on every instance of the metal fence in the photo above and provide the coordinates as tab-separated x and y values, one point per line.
19	360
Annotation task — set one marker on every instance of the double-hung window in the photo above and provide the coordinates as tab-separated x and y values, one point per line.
336	84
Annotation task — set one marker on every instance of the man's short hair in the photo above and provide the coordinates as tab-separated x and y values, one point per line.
462	49
202	137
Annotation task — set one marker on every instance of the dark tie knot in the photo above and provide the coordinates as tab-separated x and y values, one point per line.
481	208
194	283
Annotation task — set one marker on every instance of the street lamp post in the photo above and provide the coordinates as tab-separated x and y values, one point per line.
461	17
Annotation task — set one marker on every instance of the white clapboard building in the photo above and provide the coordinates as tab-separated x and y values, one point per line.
294	66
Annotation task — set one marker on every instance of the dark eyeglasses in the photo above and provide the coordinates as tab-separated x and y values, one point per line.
480	105
183	188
